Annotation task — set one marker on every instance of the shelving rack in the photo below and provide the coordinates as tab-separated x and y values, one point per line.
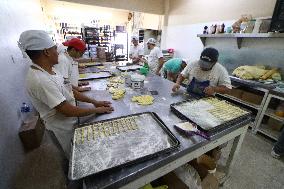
266	111
100	37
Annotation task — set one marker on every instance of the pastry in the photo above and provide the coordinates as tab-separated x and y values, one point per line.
143	99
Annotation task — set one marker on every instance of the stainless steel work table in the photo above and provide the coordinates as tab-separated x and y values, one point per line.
137	175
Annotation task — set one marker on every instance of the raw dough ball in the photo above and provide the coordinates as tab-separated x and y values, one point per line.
118	94
143	99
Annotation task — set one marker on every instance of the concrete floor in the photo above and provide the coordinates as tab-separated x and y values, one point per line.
254	169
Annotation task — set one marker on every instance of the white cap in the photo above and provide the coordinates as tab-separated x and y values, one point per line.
151	41
34	40
185	60
134	37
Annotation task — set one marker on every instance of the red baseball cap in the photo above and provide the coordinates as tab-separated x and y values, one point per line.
76	43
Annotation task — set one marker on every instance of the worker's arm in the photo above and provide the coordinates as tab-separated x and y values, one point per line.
81	89
180	79
160	65
137	59
218	89
69	110
80	97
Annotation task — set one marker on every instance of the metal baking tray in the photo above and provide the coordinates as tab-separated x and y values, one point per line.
89	64
97	75
128	68
197	119
116	143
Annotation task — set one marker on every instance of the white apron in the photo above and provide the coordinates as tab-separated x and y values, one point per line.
62	126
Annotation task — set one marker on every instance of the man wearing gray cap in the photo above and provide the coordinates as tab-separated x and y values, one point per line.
51	97
206	76
136	51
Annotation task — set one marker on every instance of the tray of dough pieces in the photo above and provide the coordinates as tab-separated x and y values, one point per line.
210	114
116	143
128	68
89	64
97	75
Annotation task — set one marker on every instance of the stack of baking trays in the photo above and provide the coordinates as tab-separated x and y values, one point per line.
117	142
210	115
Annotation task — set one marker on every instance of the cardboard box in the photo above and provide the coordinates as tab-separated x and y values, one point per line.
31	133
274	124
173	182
252	98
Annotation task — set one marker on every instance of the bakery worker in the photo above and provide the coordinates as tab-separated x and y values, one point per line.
67	61
51	97
206	76
173	67
136	51
155	58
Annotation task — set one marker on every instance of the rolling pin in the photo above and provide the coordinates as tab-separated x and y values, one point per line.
268	74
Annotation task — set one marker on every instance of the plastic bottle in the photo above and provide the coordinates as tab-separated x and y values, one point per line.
25	113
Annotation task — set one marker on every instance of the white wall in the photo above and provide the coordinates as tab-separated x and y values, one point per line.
186	19
147	6
80	13
15	17
184	12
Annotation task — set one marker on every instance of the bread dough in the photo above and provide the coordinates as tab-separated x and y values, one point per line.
143	99
116	80
224	110
118	93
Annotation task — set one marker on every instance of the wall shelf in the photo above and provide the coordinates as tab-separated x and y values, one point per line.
239	36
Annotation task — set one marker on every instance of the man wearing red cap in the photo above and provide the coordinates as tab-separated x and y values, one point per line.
67	61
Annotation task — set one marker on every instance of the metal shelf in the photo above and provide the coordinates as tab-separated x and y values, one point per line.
264	129
244	35
270	112
239	36
257	107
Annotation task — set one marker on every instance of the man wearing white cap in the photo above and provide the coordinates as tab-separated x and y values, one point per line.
155	58
136	51
51	97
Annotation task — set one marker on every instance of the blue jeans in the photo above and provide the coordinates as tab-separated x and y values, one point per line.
279	146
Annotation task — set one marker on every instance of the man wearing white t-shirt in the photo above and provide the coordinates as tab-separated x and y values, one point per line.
155	58
206	69
67	61
50	95
136	51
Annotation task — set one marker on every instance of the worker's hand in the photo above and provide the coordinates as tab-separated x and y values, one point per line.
102	103
209	91
102	110
82	83
158	73
81	70
175	87
83	89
